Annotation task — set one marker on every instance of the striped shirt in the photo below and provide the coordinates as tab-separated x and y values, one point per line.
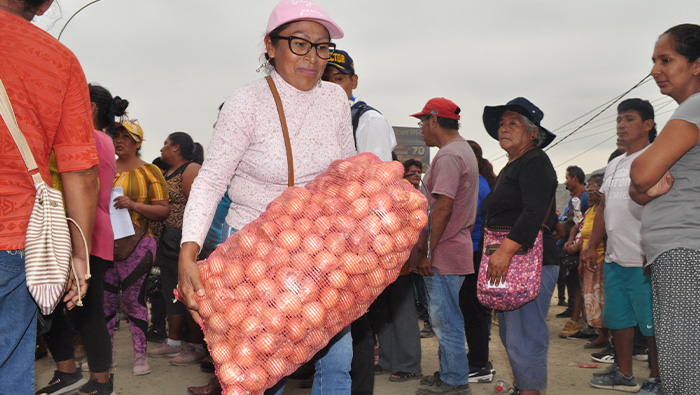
145	184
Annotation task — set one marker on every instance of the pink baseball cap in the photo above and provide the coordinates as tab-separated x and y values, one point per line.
302	10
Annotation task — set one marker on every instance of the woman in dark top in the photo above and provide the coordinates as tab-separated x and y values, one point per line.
521	200
184	158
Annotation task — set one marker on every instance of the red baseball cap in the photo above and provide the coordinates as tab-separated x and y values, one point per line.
441	107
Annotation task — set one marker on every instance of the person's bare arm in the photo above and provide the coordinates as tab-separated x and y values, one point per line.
589	255
80	190
441	214
650	170
189	280
156	210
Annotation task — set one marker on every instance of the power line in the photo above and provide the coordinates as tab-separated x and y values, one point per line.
605	106
643	81
584	152
73	16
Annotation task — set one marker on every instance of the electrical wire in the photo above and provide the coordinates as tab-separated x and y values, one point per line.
644	80
73	16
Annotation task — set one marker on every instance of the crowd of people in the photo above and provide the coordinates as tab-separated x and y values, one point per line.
626	246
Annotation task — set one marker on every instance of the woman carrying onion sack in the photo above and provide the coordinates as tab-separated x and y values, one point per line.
247	154
665	180
183	157
146	198
519	202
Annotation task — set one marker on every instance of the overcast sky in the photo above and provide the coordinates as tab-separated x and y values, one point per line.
177	60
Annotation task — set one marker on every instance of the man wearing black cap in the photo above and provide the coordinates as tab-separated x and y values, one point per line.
371	130
372	133
445	249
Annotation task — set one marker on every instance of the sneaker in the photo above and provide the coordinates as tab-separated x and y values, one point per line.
582	335
651	387
439	387
610	369
63	382
565	314
427	331
188	356
615	381
141	365
570	328
605	356
482	375
165	351
94	388
156	335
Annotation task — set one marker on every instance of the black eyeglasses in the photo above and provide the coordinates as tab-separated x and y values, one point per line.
301	47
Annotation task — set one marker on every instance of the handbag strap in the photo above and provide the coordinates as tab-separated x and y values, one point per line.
285	131
8	115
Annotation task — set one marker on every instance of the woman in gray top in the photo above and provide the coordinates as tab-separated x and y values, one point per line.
665	178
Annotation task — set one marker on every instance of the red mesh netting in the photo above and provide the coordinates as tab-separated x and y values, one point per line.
280	288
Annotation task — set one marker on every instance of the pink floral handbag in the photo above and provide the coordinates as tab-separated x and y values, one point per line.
522	282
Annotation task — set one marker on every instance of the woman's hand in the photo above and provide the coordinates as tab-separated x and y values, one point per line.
189	281
71	292
589	257
124	202
498	267
581	266
663	186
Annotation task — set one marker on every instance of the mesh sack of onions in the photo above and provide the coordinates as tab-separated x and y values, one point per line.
280	288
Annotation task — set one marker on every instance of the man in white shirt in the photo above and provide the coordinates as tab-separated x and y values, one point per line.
372	133
371	130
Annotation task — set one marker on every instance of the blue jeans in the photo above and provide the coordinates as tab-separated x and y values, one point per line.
17	326
448	324
525	335
332	368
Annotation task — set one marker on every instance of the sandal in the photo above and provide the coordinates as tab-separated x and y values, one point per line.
378	369
403	376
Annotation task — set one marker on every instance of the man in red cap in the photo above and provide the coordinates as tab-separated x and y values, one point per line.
444	253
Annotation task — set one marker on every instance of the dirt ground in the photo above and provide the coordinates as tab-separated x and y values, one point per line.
565	376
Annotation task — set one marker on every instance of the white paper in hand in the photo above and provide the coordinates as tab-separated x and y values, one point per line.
121	220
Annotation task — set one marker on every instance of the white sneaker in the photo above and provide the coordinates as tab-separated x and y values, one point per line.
141	366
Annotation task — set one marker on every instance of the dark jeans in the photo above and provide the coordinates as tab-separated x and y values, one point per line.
362	371
477	319
88	320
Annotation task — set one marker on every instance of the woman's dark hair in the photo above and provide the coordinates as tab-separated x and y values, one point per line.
412	162
485	167
107	107
643	108
597	178
33	5
189	150
686	40
161	164
273	38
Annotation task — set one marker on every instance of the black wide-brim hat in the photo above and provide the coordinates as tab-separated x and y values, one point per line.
493	114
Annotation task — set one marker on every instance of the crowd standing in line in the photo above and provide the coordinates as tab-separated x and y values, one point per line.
640	205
